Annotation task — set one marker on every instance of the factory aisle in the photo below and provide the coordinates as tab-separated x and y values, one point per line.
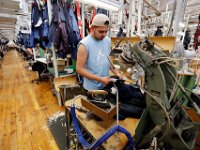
24	107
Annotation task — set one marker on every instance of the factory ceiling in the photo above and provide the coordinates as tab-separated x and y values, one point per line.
11	10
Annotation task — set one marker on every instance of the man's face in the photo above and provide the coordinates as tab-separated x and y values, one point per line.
100	32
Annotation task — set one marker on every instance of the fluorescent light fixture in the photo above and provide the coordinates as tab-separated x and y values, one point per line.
181	33
103	4
181	24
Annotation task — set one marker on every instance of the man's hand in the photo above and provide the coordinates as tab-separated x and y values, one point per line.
105	80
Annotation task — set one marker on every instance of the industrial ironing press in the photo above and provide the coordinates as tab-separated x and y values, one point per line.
164	119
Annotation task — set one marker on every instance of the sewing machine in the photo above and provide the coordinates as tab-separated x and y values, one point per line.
164	121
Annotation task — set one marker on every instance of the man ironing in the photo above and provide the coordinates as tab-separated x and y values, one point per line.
93	55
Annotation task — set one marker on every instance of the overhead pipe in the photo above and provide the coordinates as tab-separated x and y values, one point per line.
139	17
133	17
157	12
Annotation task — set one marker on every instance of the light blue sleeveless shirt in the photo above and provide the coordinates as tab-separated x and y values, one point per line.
97	62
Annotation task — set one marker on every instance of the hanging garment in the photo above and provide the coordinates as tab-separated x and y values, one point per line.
73	49
45	30
19	38
52	31
79	18
39	23
31	41
45	12
26	39
54	21
55	11
72	27
61	38
61	14
35	32
197	36
35	14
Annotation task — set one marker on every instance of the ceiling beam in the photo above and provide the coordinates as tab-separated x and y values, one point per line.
9	4
8	15
7	10
8	20
7	25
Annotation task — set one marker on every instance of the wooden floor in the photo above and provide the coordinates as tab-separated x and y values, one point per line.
24	107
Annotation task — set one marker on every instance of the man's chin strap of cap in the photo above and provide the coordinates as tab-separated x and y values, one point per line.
103	138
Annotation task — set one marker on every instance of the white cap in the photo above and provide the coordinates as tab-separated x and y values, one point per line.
101	20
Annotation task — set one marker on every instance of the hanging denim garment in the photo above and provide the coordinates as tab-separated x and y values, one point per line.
44	13
68	24
52	30
31	41
73	32
55	17
45	25
54	21
61	38
36	33
73	50
45	30
76	34
26	40
61	14
19	38
35	14
47	44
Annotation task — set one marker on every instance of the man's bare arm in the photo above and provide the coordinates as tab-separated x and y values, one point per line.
80	66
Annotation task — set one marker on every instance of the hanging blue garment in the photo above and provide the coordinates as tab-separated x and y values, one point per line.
26	40
31	41
55	16
72	27
68	24
36	34
46	44
61	14
61	38
52	31
73	50
35	14
75	28
45	13
54	21
19	38
45	30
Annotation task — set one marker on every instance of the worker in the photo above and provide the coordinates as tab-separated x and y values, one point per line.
93	61
121	33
